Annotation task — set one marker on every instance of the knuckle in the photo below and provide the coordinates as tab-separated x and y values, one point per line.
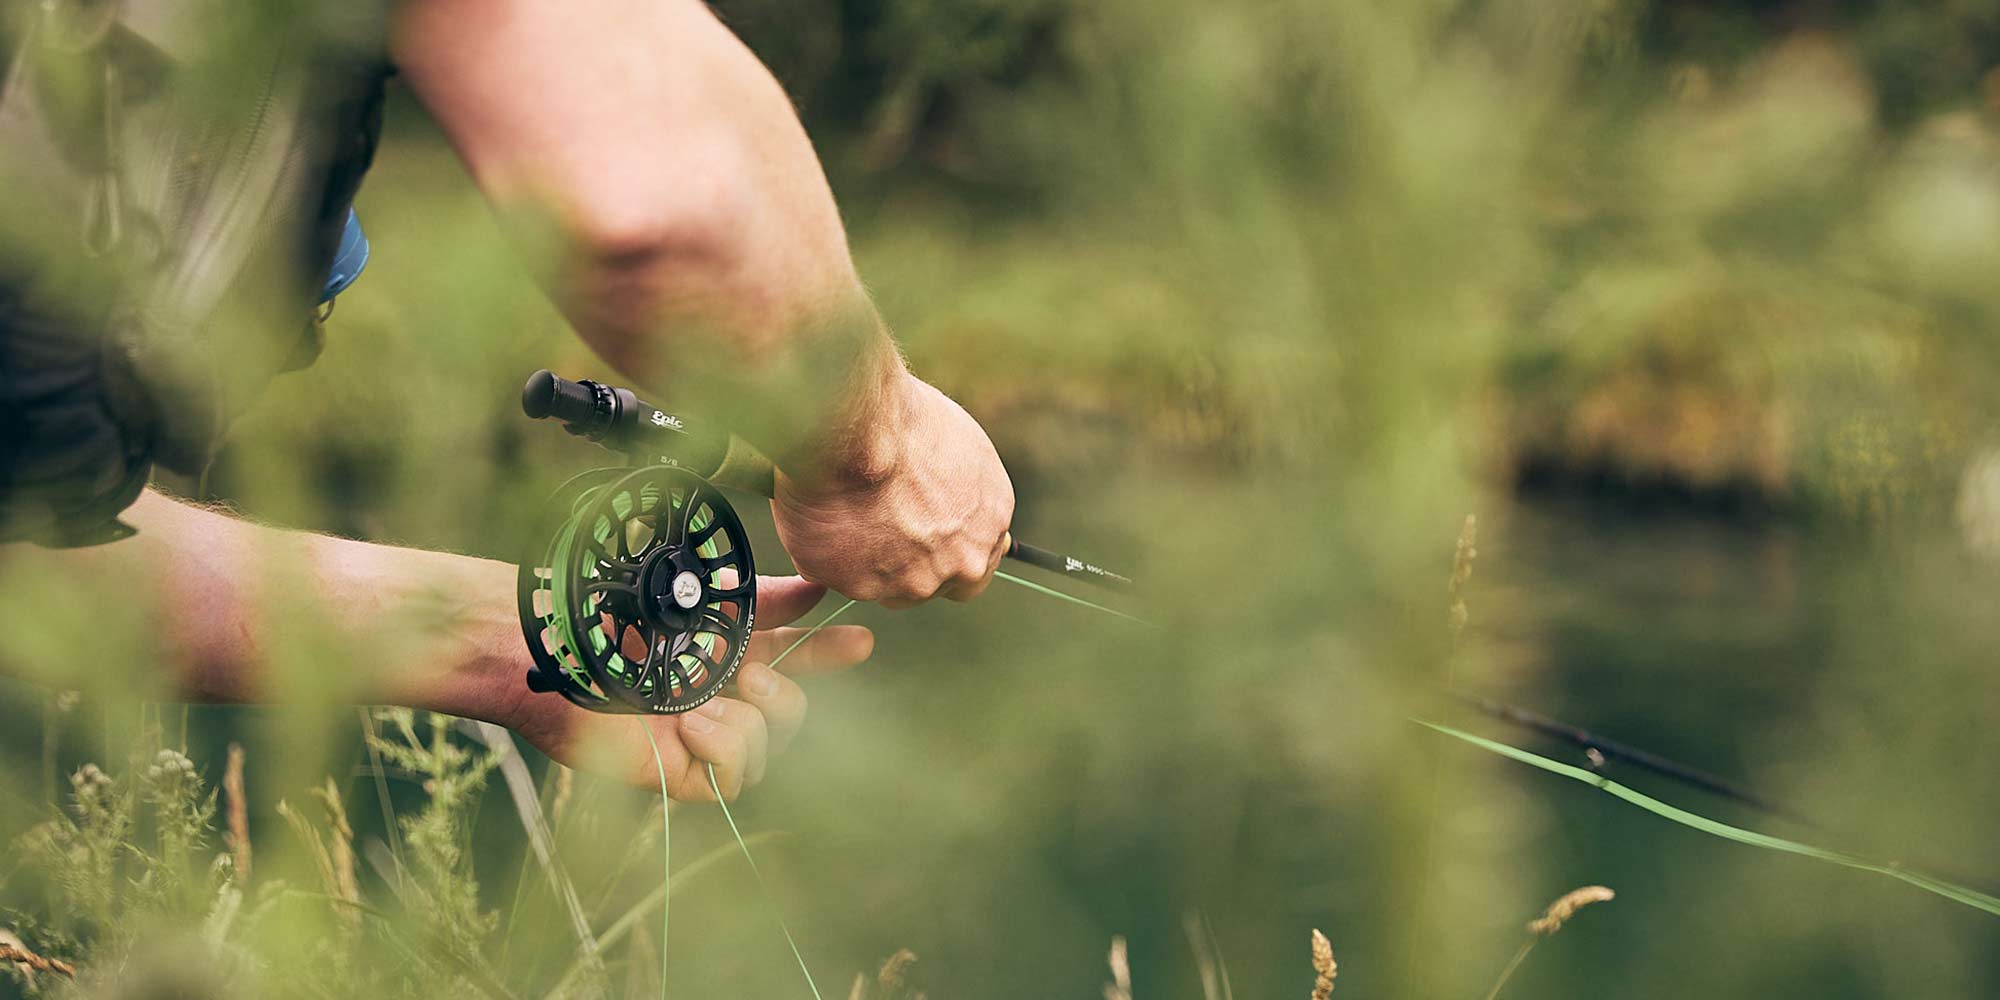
970	566
919	582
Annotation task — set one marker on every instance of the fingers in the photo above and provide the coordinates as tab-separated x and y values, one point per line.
833	649
962	575
739	735
779	698
733	738
782	599
966	587
959	565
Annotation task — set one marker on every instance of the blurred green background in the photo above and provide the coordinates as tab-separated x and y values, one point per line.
1690	303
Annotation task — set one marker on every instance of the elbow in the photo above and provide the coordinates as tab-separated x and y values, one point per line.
703	248
694	230
655	268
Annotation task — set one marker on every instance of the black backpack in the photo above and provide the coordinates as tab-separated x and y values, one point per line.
175	180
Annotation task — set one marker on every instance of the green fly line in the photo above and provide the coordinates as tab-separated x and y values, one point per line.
716	786
1715	828
666	858
666	845
1071	598
744	845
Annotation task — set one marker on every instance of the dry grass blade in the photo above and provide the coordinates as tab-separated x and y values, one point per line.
1324	967
335	864
22	956
346	886
238	808
315	846
1561	910
619	928
1120	987
565	790
1207	956
541	839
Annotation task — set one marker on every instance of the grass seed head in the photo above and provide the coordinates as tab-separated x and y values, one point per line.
1323	965
1461	572
1561	910
893	968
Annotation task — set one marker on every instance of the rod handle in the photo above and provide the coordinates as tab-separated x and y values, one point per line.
619	420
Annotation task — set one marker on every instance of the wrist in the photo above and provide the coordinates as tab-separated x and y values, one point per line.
474	662
862	445
484	678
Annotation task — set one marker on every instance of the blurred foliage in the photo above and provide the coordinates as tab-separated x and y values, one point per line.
1258	300
1737	250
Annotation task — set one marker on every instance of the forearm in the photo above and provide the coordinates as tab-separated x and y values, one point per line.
250	613
672	202
247	613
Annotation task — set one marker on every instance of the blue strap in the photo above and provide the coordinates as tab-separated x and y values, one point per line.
348	261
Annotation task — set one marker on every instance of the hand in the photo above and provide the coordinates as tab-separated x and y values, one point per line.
736	734
919	509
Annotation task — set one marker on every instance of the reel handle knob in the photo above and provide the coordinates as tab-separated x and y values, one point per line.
550	395
618	419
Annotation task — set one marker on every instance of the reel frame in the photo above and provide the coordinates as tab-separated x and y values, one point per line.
642	597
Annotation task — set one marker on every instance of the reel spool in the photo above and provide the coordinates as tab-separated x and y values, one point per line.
644	596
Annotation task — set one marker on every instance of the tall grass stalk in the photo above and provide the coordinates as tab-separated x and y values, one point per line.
618	929
1547	925
541	841
1207	956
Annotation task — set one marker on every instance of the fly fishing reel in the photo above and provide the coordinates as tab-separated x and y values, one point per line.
645	594
642	593
639	594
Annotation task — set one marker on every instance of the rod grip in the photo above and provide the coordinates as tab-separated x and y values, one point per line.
745	468
619	420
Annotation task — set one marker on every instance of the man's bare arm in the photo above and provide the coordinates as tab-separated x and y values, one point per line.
688	227
684	226
249	613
